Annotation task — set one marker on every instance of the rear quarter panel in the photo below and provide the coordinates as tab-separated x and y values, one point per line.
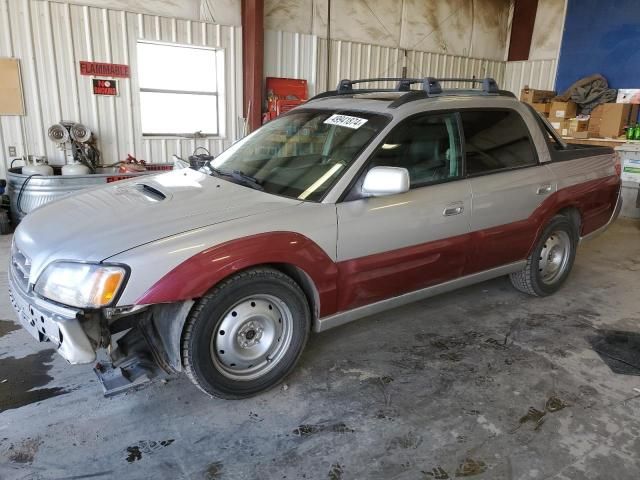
589	184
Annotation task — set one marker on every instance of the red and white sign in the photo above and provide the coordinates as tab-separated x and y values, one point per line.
104	69
105	87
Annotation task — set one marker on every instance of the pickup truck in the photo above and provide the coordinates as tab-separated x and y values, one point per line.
360	200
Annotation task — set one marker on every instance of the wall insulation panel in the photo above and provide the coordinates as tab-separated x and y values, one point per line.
476	28
50	39
298	55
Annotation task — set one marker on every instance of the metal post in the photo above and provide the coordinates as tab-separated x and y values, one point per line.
328	44
404	65
252	12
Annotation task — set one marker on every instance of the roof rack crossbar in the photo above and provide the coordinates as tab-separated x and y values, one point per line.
346	85
489	85
431	85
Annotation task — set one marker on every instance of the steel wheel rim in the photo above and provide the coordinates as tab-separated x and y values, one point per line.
554	257
252	337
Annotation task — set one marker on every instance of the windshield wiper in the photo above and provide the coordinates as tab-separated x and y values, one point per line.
239	177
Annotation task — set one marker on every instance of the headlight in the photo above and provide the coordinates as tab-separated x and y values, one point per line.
81	285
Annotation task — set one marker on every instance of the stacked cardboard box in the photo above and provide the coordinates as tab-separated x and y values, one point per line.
615	117
530	95
579	128
538	99
595	121
561	126
559	116
563	110
542	108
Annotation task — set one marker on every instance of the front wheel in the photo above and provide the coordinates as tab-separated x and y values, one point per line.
551	260
246	334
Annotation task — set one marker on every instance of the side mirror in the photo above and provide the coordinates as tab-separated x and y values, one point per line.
381	181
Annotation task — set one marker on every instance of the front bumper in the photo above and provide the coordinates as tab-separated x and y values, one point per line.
47	321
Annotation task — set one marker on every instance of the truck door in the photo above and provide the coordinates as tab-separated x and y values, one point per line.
400	243
507	185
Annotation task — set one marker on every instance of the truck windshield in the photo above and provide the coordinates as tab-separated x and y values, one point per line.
299	155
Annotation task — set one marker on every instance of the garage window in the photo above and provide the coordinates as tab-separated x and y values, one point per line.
180	89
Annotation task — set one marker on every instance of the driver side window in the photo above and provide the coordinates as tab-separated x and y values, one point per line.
428	146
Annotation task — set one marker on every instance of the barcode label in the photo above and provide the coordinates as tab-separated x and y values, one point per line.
345	121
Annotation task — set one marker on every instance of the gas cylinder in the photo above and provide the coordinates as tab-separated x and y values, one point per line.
34	165
75	169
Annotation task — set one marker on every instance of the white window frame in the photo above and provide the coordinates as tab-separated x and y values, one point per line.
219	94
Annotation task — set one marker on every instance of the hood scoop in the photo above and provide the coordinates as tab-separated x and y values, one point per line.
152	193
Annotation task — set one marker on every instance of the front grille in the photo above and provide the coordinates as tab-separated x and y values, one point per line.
20	267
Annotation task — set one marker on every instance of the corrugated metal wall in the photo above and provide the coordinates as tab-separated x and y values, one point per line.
421	64
305	56
291	55
539	74
50	39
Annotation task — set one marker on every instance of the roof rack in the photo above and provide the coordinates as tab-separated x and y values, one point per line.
431	86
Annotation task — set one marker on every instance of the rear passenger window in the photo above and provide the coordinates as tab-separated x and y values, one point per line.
496	140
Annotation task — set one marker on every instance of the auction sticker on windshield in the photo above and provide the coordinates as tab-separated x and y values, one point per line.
346	121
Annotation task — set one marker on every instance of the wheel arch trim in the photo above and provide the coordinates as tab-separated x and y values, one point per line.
289	252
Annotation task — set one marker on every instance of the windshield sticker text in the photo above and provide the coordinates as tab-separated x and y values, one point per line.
345	121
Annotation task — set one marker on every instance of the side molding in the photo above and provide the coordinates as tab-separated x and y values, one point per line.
341	318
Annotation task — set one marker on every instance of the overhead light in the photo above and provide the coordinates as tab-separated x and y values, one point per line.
390	146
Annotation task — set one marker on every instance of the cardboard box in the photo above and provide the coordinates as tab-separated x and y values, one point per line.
530	95
579	134
578	125
628	95
543	108
597	112
561	126
615	117
594	124
563	110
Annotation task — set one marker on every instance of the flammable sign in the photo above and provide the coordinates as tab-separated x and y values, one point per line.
105	87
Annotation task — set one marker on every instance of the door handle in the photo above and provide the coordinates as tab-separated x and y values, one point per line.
543	189
449	211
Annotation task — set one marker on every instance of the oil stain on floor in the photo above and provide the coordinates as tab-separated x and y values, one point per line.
620	350
20	379
306	430
7	326
148	447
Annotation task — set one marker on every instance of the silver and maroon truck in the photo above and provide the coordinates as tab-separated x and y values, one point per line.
359	201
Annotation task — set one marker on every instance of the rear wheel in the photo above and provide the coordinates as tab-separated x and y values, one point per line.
246	335
551	261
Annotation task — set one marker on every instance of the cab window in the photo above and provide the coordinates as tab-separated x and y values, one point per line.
496	140
428	146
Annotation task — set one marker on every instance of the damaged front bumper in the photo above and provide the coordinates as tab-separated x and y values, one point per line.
46	321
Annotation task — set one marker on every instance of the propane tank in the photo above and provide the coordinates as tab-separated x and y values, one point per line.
34	165
75	169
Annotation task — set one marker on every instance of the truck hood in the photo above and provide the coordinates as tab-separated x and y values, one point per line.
98	223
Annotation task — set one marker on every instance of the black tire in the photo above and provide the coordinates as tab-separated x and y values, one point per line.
531	279
200	358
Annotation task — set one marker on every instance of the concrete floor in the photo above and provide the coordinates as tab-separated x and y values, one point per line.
435	390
